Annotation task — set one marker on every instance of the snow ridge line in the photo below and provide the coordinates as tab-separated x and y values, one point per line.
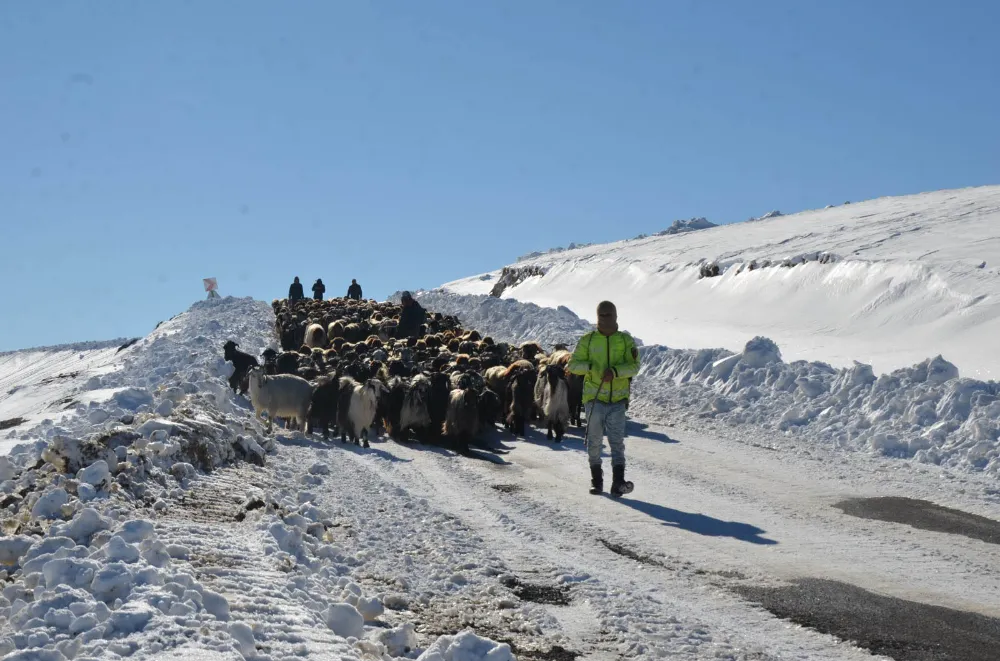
94	345
926	412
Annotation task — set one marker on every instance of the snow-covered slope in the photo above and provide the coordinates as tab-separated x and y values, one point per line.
41	383
887	282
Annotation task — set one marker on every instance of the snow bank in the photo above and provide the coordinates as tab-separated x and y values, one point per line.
91	591
84	580
466	646
507	320
927	412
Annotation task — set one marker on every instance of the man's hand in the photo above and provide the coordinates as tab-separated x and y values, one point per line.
608	376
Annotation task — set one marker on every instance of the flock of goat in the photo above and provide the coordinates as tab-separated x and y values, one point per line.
342	364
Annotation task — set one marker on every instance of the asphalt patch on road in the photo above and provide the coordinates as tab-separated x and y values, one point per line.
924	515
507	488
537	593
900	629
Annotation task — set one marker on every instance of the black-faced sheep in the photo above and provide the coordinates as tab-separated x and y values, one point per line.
242	363
282	395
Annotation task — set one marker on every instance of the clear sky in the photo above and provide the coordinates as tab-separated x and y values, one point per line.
407	143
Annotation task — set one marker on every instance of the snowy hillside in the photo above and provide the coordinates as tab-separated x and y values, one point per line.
41	383
888	282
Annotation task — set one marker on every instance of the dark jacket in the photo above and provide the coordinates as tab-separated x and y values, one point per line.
318	290
410	319
295	292
354	291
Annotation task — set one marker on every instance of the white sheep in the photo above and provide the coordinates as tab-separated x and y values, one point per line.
280	395
315	336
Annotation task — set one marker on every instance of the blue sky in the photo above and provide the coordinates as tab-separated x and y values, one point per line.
148	145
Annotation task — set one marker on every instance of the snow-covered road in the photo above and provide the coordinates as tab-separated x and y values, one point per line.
707	514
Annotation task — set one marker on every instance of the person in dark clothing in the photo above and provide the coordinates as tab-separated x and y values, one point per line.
354	291
295	292
319	289
411	317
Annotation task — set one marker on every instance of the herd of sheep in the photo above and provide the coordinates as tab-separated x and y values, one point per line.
342	365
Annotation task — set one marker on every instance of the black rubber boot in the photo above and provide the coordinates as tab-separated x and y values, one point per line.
596	479
619	487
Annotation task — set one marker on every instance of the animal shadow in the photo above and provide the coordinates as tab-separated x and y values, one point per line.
300	440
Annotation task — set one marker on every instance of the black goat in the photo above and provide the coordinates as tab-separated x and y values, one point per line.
574	383
437	403
287	362
521	398
489	408
242	364
462	422
269	355
325	404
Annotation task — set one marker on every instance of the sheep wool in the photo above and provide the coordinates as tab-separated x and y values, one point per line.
282	395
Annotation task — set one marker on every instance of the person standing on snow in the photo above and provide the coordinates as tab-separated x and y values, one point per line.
354	291
607	359
295	291
319	289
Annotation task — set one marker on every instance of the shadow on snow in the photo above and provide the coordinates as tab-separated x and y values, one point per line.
700	523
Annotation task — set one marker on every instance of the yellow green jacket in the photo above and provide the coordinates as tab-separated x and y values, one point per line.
595	353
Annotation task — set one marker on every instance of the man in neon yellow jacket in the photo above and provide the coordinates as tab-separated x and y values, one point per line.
607	359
